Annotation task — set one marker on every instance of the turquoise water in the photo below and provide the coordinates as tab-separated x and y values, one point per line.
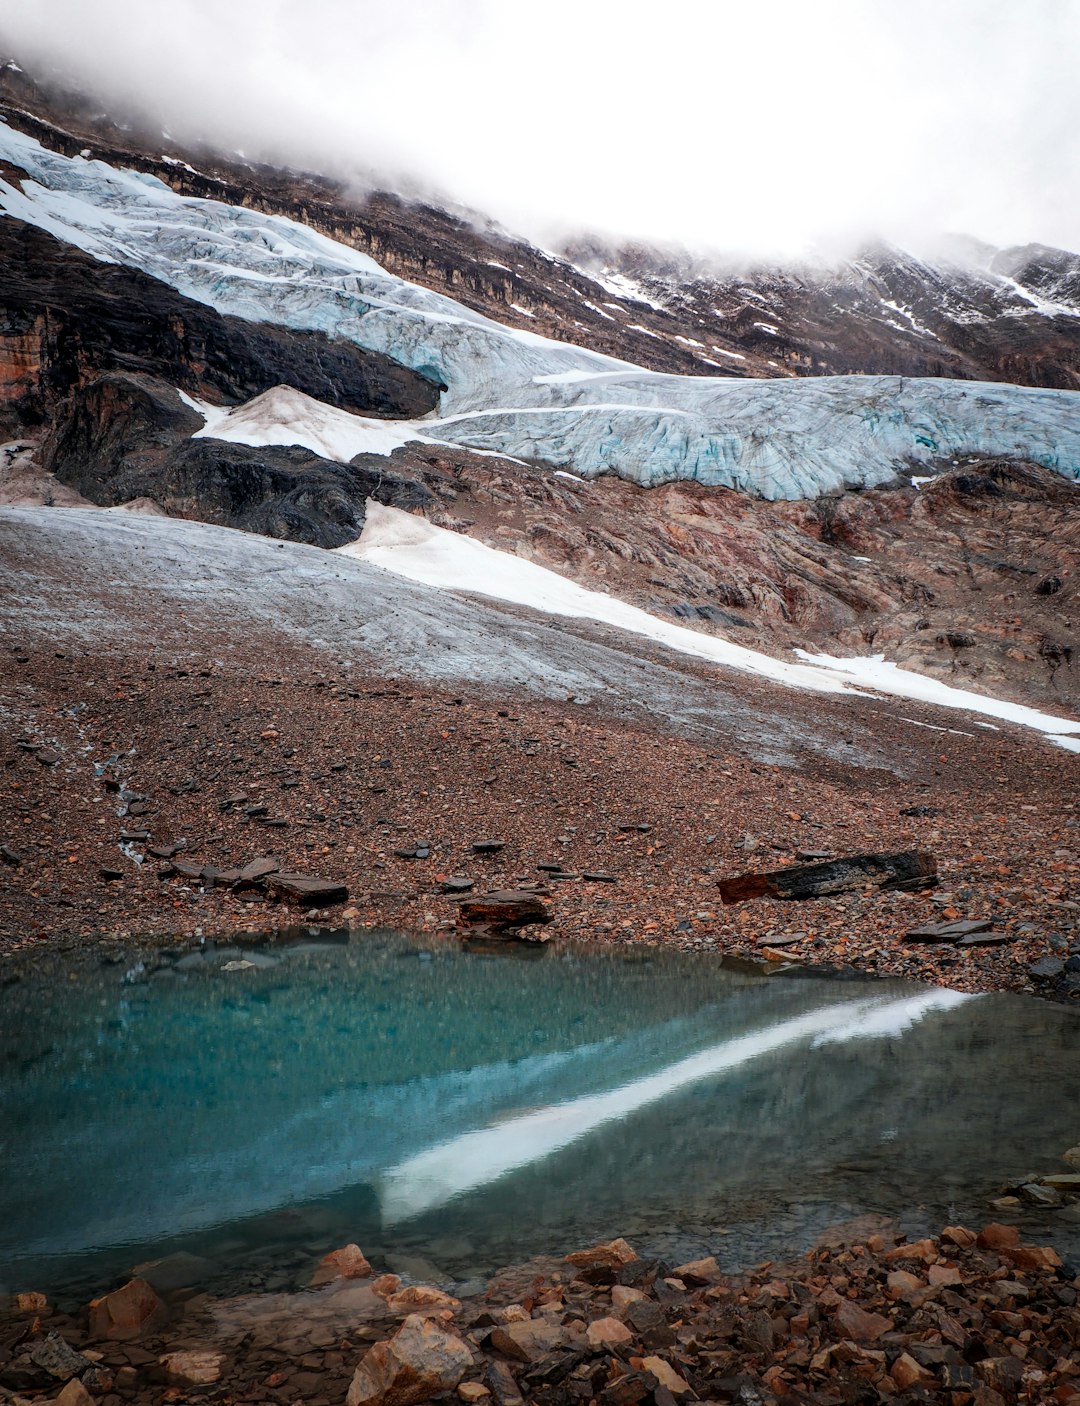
454	1111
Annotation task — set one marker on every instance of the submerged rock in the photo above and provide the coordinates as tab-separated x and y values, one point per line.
128	1312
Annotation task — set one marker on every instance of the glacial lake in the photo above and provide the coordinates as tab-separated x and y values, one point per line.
455	1111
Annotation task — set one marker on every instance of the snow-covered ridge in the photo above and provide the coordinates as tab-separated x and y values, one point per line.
520	394
418	550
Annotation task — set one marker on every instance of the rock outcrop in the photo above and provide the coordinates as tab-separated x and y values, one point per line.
65	318
128	435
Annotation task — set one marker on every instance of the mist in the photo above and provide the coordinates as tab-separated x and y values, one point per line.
771	129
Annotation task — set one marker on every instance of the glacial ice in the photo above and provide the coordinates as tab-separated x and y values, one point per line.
523	395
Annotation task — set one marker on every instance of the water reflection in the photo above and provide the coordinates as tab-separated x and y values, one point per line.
436	1176
424	1100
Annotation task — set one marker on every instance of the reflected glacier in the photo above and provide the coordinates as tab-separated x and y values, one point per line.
404	1093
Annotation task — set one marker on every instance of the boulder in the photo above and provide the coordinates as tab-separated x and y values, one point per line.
528	1339
609	1254
421	1298
305	892
193	1367
503	910
420	1361
127	1313
347	1263
74	1394
607	1332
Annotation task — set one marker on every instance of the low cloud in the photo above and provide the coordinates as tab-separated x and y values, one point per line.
759	129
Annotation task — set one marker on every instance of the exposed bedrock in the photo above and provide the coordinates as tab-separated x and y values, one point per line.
65	318
128	436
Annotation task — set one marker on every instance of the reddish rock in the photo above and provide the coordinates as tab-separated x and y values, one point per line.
127	1313
958	1235
859	1325
503	910
607	1332
420	1361
907	1373
611	1254
421	1298
347	1263
996	1236
193	1367
527	1340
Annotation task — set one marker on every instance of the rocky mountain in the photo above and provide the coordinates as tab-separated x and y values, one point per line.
255	348
970	312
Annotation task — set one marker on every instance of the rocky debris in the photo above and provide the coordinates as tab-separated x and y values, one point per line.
263	877
349	1262
420	1361
127	1313
911	869
503	912
9	855
977	1316
193	1367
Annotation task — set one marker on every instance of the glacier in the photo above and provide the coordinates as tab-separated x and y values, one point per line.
516	393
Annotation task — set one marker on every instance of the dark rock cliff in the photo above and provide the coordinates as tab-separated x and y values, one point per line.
65	318
128	436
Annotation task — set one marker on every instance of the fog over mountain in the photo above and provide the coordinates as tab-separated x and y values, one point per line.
760	129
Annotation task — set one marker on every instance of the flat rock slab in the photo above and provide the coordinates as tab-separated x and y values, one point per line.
906	869
949	932
306	892
503	909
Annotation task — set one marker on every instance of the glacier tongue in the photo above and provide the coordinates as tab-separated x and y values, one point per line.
524	395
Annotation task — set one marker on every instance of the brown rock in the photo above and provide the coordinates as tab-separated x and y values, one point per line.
127	1313
385	1285
607	1332
907	1373
996	1236
31	1303
503	910
347	1263
74	1394
1031	1257
417	1363
421	1298
666	1375
925	1251
696	1272
472	1392
958	1235
528	1340
611	1254
193	1367
622	1296
306	892
944	1274
862	1327
902	1285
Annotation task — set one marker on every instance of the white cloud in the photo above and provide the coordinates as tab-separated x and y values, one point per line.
760	127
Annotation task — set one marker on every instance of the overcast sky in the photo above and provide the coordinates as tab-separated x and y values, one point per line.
758	126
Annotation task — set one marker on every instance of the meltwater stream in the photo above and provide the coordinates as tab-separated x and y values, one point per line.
453	1112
